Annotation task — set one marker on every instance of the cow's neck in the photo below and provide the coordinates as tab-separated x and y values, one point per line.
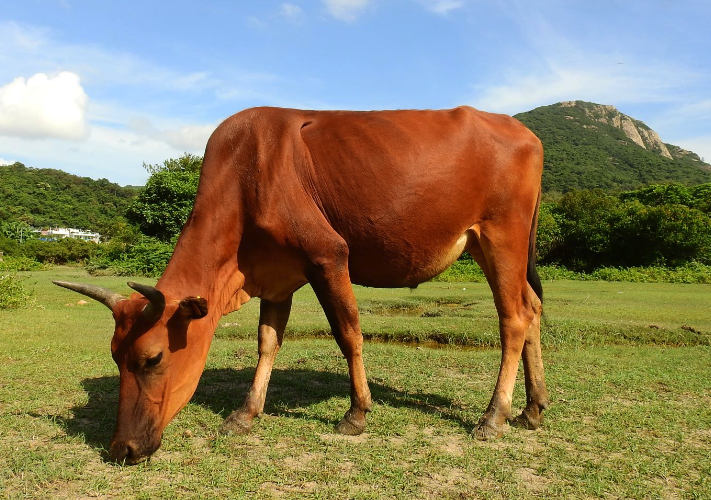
204	262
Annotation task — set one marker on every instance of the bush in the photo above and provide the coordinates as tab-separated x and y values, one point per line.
666	235
9	246
148	257
693	272
20	264
586	220
549	236
587	230
697	197
463	270
554	272
12	294
59	252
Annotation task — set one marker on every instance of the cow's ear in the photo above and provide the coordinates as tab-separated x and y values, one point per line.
193	307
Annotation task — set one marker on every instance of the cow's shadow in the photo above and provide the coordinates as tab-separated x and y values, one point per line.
223	390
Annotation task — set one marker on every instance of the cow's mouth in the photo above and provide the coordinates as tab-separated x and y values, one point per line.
128	453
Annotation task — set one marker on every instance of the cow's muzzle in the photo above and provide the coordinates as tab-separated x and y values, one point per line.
130	453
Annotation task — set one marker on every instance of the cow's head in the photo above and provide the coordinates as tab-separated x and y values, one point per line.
160	360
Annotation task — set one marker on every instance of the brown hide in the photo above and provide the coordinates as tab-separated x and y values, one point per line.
387	199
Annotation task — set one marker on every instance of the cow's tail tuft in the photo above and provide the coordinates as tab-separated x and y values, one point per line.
531	273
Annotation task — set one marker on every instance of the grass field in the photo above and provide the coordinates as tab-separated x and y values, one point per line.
628	368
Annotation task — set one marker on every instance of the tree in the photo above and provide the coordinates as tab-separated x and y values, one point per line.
668	235
163	206
587	222
186	163
18	231
661	194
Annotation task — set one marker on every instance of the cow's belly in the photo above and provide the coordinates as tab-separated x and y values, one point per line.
406	265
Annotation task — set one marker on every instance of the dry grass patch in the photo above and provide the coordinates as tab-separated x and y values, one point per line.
453	483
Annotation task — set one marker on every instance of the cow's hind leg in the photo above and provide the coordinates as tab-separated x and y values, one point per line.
536	393
503	257
331	282
272	322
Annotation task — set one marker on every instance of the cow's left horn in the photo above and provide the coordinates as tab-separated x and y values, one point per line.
107	297
155	297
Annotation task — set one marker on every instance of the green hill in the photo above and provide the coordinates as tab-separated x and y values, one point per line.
591	146
42	197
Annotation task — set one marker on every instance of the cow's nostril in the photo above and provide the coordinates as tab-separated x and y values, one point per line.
118	452
130	454
123	452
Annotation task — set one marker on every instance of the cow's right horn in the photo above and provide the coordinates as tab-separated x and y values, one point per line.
107	297
156	300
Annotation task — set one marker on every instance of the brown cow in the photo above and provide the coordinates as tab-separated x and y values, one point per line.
330	198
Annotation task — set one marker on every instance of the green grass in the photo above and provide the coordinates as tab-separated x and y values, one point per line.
631	412
692	272
576	314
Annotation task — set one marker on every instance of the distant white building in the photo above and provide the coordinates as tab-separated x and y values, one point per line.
58	233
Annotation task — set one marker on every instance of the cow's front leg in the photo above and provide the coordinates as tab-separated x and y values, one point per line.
272	322
330	280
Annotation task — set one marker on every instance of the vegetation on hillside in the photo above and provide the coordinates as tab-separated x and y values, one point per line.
583	153
43	197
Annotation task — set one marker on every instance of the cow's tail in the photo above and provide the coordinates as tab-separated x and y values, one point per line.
531	273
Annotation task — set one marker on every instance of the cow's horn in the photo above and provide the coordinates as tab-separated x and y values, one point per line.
156	299
107	297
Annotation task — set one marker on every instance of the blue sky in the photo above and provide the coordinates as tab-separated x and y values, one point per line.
97	88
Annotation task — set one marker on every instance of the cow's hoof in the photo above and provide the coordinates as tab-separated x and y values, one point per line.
486	430
237	423
528	419
351	426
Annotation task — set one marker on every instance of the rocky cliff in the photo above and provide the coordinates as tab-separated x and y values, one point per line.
637	131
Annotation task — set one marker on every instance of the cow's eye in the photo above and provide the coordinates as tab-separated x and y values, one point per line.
151	362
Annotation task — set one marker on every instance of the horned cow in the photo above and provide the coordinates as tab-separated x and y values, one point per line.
289	197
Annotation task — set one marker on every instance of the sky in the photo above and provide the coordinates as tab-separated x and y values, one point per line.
98	88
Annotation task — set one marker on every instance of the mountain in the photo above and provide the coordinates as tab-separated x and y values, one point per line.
591	146
45	197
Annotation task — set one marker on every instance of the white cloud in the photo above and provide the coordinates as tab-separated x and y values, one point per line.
548	63
442	7
256	23
187	138
116	154
583	77
26	46
44	106
23	37
3	161
349	10
697	110
346	10
290	10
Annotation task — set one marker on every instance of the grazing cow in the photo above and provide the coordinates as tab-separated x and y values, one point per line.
330	198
